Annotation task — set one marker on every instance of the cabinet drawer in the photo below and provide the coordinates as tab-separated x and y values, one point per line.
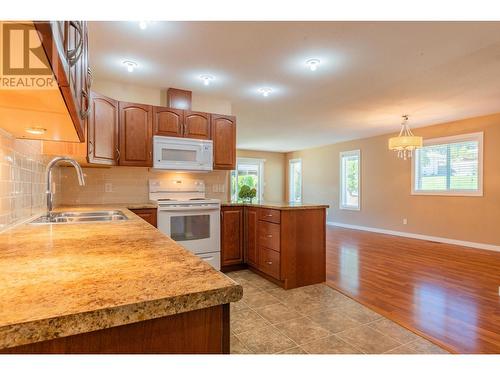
269	262
269	215
269	235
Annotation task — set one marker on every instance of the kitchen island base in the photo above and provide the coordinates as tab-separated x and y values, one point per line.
204	331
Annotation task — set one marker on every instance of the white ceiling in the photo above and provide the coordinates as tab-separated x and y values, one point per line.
370	74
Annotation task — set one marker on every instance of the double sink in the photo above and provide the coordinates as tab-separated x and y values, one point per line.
69	217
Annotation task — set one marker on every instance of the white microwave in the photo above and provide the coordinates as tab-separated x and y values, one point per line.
182	154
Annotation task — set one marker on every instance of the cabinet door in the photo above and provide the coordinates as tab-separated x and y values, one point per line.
196	125
103	130
136	134
224	138
76	41
168	122
251	236
147	214
232	236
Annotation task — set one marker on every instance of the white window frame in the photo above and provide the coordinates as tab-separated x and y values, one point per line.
290	180
253	161
479	137
341	179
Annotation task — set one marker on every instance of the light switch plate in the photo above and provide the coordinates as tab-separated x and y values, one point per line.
108	187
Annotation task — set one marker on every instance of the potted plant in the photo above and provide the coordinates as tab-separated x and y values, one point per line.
247	193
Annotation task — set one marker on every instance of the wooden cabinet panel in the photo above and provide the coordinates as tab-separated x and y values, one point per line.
168	122
147	214
269	235
203	331
231	236
103	130
223	130
269	262
180	99
196	125
251	249
66	46
136	134
270	215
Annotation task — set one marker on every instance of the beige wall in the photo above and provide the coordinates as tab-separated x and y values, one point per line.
129	185
22	183
156	96
274	173
386	186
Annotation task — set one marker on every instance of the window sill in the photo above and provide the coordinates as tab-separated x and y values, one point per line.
449	193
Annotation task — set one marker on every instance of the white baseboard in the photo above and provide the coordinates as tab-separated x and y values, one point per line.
417	236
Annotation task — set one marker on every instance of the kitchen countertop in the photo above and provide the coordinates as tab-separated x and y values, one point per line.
277	205
65	279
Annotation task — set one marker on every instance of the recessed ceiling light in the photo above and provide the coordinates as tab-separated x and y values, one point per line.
36	131
313	64
265	91
131	65
143	25
206	78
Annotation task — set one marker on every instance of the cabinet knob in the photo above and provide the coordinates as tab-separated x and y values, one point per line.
269	236
269	262
269	215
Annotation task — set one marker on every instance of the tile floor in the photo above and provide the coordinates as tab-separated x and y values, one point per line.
315	319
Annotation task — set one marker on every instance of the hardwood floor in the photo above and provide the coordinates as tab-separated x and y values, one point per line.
446	293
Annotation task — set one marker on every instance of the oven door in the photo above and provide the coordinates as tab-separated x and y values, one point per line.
194	227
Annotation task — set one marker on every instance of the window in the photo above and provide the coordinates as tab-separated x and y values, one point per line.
249	172
449	166
350	165
295	180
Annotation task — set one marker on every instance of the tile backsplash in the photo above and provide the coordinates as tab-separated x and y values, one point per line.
128	185
22	188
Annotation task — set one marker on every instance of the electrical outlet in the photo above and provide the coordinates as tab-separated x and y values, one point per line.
222	188
405	221
215	188
108	187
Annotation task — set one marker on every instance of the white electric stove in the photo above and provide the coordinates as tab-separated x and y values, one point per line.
188	217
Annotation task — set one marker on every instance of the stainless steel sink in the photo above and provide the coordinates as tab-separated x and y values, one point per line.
80	217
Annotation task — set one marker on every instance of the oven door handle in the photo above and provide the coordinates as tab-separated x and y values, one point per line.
182	209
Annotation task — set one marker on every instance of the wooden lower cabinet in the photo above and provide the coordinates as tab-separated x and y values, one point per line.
231	236
250	244
204	331
269	262
287	246
147	214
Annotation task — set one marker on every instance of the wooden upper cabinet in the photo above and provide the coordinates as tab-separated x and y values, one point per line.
168	122
231	236
103	130
136	134
196	125
224	138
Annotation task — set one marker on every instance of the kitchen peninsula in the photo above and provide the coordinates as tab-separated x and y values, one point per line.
119	287
284	242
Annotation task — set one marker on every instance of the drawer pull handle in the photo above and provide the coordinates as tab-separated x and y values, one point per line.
269	262
269	215
269	236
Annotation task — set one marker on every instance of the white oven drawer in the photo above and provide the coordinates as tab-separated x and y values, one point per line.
211	258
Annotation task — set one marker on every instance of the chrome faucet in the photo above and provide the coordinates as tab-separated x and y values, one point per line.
48	176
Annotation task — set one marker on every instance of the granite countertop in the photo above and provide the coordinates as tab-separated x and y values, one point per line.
277	205
64	279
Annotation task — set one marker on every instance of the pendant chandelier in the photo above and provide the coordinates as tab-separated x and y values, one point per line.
405	142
